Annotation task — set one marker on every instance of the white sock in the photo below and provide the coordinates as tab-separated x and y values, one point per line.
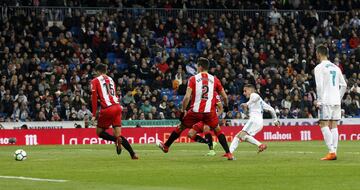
234	144
328	138
335	136
252	140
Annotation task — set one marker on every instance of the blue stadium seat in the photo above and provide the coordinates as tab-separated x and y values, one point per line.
3	114
120	64
111	57
75	31
187	51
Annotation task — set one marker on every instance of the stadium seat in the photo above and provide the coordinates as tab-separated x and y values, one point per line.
111	57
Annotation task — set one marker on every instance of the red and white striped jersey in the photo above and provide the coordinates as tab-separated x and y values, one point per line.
103	87
204	88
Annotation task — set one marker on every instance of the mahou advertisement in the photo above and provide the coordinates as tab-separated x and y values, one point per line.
149	135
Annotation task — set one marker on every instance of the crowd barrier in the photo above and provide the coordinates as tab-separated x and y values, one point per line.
59	13
149	135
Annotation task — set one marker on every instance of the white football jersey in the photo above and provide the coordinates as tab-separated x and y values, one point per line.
257	106
329	79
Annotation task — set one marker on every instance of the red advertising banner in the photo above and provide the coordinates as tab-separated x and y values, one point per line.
149	135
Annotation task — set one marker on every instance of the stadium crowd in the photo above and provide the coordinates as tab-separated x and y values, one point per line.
196	4
46	68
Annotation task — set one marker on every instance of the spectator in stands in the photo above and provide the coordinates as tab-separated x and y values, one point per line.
83	112
275	16
146	107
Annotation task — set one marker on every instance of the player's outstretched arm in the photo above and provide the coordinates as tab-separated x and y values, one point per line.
270	109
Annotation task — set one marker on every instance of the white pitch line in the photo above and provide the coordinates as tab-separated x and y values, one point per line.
33	179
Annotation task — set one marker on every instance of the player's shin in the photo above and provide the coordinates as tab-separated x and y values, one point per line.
199	139
125	143
252	140
335	135
174	135
107	136
223	142
234	144
209	140
328	138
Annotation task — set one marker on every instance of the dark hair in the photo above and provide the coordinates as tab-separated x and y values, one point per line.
249	86
101	68
322	50
24	126
204	63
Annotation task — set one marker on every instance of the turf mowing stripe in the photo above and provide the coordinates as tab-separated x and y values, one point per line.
33	179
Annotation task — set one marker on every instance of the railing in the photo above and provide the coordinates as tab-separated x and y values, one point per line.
59	13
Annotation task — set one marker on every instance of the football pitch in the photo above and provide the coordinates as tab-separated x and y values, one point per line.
284	165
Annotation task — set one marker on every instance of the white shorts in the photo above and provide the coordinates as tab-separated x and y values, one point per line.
252	127
330	112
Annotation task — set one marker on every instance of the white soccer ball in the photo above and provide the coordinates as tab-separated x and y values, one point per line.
20	155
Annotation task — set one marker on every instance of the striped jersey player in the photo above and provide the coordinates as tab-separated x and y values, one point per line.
200	127
103	89
201	95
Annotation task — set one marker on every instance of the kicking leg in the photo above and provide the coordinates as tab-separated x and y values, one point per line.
104	135
235	143
125	143
174	135
209	140
122	141
192	134
244	136
223	142
208	137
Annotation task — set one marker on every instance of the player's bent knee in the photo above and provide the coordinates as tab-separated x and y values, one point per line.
206	129
99	131
218	132
192	137
242	135
178	130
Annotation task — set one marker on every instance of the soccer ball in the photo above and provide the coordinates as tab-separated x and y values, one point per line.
20	155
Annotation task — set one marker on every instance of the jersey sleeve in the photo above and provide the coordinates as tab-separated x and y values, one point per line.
319	83
192	83
342	84
94	97
115	91
253	98
218	86
270	109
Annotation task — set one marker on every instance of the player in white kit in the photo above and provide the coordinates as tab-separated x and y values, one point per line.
256	107
330	89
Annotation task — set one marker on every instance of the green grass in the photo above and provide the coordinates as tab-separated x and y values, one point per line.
285	165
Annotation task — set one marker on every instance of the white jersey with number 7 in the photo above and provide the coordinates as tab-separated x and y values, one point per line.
329	79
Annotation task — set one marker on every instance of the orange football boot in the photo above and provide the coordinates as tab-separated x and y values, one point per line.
262	147
329	156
